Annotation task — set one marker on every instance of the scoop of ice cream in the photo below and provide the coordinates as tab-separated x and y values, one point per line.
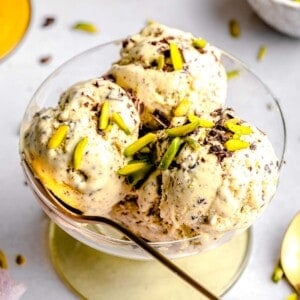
82	169
148	69
9	288
220	181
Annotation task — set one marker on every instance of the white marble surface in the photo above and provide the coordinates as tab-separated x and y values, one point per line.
23	225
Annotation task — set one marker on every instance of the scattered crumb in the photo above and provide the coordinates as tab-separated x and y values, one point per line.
3	260
86	27
20	260
261	52
234	28
269	106
45	59
48	21
232	74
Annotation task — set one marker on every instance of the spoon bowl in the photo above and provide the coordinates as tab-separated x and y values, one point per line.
290	253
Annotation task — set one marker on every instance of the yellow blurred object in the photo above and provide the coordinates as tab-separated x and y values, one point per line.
14	21
60	189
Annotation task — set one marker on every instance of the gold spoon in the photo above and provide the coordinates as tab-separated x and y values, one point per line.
290	253
78	217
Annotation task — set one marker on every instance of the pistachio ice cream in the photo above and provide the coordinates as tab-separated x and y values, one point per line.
151	146
161	66
72	156
215	184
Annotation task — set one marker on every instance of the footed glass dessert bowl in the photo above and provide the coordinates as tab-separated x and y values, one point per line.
100	254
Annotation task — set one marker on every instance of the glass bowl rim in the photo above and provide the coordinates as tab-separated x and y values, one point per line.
84	230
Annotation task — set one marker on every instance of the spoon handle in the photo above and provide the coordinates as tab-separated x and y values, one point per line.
153	252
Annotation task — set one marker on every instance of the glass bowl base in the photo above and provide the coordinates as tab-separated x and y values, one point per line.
96	275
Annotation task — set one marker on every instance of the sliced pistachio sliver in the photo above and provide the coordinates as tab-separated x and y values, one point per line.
3	260
277	274
104	116
133	168
170	154
160	62
116	117
234	28
199	43
139	144
232	74
234	145
235	128
182	130
140	175
87	27
58	137
192	143
182	108
79	152
176	57
262	51
202	122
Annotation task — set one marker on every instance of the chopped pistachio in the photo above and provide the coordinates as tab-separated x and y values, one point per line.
234	145
132	168
292	296
199	43
183	129
116	117
170	154
87	27
261	53
236	136
108	128
176	57
235	128
104	116
3	260
182	108
202	122
160	62
140	175
140	144
232	74
145	150
277	273
193	143
58	137
234	28
79	152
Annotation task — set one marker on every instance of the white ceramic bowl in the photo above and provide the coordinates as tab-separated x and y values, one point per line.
283	15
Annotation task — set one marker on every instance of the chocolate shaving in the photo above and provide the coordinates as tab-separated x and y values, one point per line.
160	118
45	59
48	21
109	77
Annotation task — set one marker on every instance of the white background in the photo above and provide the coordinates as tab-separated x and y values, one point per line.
23	226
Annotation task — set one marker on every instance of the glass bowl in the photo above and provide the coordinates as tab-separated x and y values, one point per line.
250	98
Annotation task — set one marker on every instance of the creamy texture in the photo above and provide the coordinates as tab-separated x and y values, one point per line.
209	191
202	80
205	191
96	186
